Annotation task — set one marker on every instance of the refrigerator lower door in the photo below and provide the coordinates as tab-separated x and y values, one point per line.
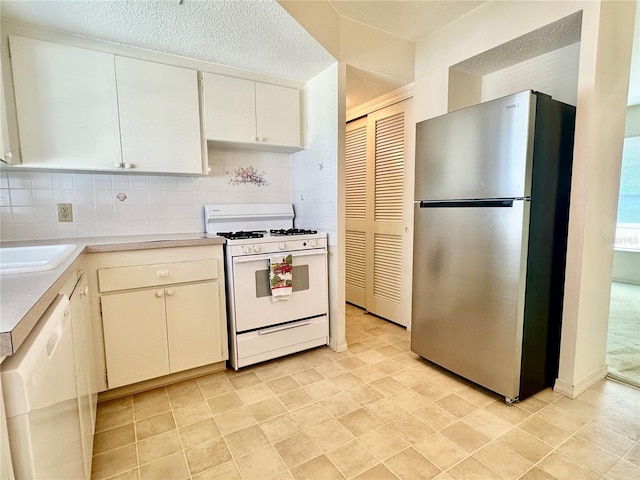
468	290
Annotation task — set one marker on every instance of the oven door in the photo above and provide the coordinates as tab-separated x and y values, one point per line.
252	302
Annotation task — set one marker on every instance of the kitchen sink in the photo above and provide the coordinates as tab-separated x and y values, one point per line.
34	258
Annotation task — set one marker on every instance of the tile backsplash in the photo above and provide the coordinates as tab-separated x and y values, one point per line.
134	204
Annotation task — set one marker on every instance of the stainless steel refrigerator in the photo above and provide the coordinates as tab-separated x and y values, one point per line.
490	235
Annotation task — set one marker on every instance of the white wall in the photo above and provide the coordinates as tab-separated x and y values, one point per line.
314	179
555	73
603	74
153	203
626	267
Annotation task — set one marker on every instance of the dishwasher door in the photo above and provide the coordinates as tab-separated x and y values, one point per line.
41	400
86	381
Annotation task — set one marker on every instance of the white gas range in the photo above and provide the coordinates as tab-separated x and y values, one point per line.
261	326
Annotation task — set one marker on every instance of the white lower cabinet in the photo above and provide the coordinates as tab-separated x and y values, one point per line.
155	332
135	336
162	311
6	466
190	331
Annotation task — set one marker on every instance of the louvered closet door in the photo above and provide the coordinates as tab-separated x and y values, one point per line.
379	178
387	279
356	203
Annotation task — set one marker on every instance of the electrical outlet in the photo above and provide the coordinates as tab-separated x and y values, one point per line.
65	212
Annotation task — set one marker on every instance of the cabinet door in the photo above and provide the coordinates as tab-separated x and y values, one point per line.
159	117
6	155
277	115
195	329
66	105
229	108
6	466
135	336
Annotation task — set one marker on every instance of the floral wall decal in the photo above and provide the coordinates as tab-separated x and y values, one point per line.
243	176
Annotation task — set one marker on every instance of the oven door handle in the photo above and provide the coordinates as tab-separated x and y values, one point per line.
251	258
284	327
260	258
309	253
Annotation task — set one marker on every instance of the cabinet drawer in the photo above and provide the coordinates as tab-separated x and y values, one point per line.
140	276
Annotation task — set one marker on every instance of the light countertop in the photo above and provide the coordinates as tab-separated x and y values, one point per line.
24	297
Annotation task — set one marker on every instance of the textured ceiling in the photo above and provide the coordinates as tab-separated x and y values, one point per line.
260	36
408	19
255	35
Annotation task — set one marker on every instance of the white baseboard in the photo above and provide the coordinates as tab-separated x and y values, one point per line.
338	345
572	391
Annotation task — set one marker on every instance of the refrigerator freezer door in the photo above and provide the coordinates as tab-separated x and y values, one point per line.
468	291
477	152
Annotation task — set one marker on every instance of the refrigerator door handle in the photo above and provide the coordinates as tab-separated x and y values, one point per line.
493	202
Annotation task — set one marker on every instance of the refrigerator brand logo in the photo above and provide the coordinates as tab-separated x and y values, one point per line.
513	105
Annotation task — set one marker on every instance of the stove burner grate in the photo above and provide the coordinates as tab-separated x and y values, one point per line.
241	235
292	231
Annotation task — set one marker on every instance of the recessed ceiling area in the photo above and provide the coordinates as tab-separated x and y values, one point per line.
554	36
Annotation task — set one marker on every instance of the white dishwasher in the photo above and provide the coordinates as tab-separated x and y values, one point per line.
41	402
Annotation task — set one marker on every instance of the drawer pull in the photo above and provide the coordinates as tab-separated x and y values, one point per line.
163	273
280	329
159	294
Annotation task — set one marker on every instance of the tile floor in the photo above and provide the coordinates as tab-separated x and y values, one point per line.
374	412
623	341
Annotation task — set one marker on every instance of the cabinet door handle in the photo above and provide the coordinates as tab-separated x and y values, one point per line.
84	291
128	166
117	165
159	294
163	273
170	292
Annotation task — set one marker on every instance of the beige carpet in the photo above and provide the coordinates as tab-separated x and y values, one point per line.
623	343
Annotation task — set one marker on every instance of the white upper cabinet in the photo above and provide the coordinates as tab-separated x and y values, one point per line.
81	109
251	113
229	108
6	155
277	115
159	117
66	105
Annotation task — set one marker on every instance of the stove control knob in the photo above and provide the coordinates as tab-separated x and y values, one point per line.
313	243
281	246
256	248
246	249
